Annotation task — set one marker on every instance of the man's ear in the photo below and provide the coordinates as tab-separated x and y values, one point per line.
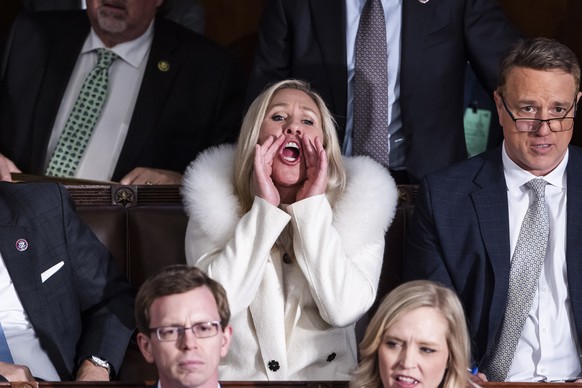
145	346
499	106
225	342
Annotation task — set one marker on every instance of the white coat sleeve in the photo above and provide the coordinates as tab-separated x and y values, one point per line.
343	286
239	263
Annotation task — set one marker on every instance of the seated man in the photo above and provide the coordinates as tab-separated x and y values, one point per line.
65	311
503	228
182	317
113	93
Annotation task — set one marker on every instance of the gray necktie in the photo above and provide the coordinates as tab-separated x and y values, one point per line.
83	117
370	133
524	275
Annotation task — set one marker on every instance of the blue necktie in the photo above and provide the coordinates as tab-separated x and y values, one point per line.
5	355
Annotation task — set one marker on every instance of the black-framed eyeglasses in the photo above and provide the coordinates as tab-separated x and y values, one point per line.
175	333
558	124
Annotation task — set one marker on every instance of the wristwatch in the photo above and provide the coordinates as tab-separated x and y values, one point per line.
97	361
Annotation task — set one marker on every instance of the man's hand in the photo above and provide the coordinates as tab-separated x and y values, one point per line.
151	176
91	372
7	167
13	372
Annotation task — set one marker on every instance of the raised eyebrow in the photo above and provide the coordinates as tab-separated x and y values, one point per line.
309	109
278	105
432	345
524	103
563	104
391	338
169	327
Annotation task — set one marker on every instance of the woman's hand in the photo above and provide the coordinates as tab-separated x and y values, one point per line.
316	169
263	166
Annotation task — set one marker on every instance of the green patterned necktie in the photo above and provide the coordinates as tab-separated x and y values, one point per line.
82	119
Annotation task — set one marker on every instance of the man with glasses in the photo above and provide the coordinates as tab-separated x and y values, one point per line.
503	228
182	317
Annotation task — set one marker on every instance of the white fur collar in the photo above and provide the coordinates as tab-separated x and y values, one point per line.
361	214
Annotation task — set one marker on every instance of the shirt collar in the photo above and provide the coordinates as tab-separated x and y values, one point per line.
516	177
132	52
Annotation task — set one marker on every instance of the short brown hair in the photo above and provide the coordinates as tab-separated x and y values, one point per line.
539	54
177	279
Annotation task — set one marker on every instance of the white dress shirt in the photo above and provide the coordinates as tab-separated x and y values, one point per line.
547	349
125	76
20	335
393	17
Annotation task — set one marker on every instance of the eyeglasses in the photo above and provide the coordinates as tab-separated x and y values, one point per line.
174	333
558	124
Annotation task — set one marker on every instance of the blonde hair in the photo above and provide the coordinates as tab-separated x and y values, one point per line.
403	299
249	137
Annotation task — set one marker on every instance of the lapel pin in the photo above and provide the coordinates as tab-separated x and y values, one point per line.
21	244
163	66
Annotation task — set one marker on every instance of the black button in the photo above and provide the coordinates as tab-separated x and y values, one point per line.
331	357
274	365
287	258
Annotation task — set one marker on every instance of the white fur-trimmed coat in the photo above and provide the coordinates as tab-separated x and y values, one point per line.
293	315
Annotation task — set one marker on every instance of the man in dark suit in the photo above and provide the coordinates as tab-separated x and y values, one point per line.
182	317
66	311
467	222
429	44
172	92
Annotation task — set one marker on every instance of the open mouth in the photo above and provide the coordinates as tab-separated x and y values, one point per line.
407	380
291	151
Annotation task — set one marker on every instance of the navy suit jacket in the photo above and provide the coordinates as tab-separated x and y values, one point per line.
459	236
195	104
306	39
86	307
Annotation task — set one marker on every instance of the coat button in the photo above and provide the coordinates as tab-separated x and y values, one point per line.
331	357
287	258
274	365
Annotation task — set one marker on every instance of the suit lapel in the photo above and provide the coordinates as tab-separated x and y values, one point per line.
491	207
60	62
416	18
24	271
329	21
155	86
573	237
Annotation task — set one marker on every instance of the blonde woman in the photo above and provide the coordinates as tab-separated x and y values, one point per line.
417	337
294	232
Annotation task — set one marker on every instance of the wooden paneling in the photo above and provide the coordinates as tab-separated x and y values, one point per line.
228	21
537	17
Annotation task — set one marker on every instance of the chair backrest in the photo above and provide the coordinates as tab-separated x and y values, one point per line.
144	227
